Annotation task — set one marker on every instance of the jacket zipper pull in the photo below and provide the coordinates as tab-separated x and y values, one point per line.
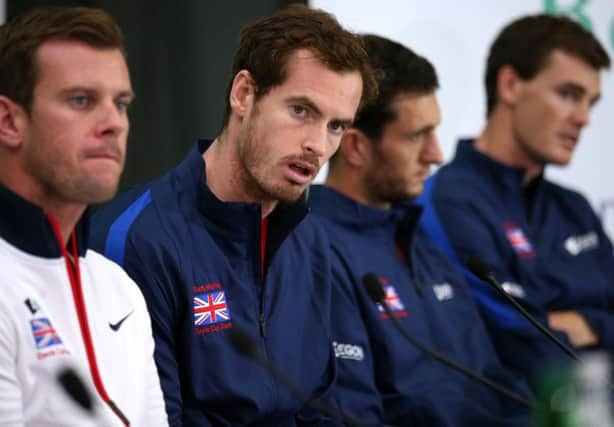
262	322
418	286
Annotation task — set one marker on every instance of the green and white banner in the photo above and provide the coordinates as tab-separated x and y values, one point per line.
455	37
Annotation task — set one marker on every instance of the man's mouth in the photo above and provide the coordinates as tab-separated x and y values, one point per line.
301	172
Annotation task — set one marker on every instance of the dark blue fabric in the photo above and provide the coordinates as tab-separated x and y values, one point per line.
25	226
185	241
475	199
394	381
491	302
118	233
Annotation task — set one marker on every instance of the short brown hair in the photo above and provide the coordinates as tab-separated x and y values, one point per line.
526	44
22	35
266	44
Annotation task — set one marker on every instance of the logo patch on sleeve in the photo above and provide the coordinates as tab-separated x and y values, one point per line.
46	338
518	240
578	244
211	312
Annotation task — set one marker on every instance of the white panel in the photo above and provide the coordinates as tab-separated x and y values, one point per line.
455	36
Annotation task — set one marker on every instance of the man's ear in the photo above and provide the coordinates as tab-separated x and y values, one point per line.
509	85
12	123
242	93
356	148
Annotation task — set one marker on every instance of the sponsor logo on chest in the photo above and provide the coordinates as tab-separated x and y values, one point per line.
348	351
575	245
443	291
518	240
211	312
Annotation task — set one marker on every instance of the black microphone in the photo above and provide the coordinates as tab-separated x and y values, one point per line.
76	389
244	344
484	273
79	393
376	293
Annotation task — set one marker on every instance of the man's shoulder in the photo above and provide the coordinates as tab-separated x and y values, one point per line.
563	193
106	273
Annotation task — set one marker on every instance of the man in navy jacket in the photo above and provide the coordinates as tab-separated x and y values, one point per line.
365	206
223	241
543	241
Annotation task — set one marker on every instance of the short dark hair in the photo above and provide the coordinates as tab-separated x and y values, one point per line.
266	45
526	43
21	36
399	70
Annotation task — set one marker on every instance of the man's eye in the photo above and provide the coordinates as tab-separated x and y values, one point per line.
337	127
569	95
122	105
80	101
417	137
297	110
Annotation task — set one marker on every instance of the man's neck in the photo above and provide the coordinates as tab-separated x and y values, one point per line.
498	142
226	176
66	215
353	186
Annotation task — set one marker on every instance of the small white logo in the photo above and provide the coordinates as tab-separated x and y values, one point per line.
348	351
514	289
577	244
443	291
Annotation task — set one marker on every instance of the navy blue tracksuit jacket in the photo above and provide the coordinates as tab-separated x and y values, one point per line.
543	242
381	376
198	262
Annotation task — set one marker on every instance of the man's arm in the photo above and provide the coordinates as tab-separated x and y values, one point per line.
462	231
153	278
155	413
575	326
355	392
594	325
11	410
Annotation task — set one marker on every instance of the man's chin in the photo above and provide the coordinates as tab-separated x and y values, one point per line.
288	195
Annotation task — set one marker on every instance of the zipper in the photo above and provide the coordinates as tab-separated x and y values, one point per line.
74	276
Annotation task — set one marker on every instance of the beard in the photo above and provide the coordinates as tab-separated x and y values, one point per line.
257	166
50	168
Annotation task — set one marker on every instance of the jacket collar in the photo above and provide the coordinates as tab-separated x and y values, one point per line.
25	226
508	177
348	212
235	217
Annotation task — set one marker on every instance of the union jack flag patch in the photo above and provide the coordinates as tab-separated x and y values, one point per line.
210	308
45	335
393	300
519	241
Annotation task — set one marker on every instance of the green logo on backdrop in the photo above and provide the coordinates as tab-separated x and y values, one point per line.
575	9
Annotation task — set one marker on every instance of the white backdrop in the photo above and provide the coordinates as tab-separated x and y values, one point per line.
455	37
2	10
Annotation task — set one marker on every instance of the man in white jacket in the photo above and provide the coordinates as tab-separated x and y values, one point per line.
64	92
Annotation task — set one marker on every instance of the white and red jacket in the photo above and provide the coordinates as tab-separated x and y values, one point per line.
69	307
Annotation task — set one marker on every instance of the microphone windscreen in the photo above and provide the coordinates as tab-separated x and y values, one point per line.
479	268
374	289
75	388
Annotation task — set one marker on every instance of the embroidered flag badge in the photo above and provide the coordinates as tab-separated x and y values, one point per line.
210	308
518	240
393	300
45	335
